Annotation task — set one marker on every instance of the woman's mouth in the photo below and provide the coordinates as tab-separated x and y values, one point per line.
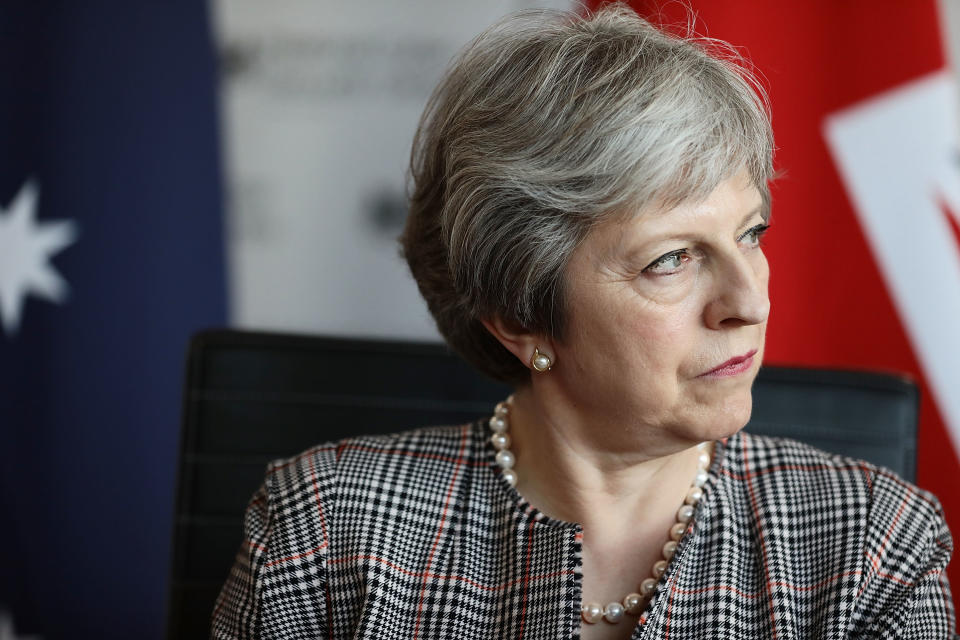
732	367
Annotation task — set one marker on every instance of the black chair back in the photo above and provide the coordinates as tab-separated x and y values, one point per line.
253	397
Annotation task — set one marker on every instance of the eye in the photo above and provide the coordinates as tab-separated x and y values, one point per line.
669	263
753	235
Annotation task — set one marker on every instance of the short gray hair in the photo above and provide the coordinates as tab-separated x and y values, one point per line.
546	124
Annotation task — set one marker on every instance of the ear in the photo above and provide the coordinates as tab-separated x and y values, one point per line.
520	342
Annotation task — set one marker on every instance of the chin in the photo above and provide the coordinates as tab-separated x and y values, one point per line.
730	416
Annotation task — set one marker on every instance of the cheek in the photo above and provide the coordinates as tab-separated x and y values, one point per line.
664	335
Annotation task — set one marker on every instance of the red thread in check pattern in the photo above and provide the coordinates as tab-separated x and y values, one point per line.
673	590
296	556
323	527
371	449
720	587
875	559
415	454
441	576
818	585
526	579
763	543
255	545
305	454
881	574
443	519
868	477
750	596
910	488
750	475
316	494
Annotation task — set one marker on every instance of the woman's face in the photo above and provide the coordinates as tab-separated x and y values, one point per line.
659	306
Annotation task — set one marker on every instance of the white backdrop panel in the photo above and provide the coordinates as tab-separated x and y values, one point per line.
319	102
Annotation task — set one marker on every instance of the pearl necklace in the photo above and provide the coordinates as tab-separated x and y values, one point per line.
633	603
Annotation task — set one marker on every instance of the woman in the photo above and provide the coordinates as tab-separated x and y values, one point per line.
589	200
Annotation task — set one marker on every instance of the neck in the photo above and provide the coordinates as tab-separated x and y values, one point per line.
566	473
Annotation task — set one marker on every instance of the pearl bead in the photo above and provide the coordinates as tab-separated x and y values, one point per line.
613	612
677	531
541	363
704	460
510	476
591	612
685	514
498	424
669	548
647	586
658	568
501	410
633	604
505	459
694	495
500	441
700	479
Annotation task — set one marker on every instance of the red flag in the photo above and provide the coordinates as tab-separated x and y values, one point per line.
865	248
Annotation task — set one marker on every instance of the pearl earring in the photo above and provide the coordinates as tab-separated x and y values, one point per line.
540	362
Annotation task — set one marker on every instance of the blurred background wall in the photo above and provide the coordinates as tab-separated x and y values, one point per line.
319	104
170	166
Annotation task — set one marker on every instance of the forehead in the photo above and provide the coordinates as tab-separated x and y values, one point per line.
734	203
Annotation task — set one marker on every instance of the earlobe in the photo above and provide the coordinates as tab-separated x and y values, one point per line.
534	351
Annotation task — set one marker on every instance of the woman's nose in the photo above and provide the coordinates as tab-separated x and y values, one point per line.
739	295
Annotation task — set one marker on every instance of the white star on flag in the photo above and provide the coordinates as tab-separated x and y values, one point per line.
25	250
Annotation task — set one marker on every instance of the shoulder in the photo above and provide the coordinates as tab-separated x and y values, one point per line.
811	489
786	476
381	497
794	471
337	470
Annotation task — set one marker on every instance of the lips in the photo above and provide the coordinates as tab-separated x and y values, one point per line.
732	367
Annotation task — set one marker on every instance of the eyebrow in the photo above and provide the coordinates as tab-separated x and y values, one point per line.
631	253
758	210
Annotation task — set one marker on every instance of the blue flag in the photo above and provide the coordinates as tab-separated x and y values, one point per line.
111	255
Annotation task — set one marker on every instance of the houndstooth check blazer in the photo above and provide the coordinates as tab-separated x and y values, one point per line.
417	535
